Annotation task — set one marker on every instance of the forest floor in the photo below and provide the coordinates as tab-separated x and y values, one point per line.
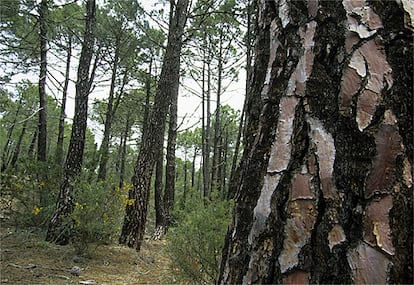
27	259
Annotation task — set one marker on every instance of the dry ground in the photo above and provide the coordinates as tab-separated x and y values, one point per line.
27	259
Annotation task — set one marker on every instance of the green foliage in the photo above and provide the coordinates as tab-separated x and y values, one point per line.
20	194
98	212
195	244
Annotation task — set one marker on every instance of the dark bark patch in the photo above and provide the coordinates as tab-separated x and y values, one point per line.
350	85
382	177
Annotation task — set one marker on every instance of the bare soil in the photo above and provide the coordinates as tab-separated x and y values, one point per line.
27	259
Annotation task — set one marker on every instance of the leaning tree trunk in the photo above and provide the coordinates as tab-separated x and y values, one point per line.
16	151
136	210
58	230
6	148
325	194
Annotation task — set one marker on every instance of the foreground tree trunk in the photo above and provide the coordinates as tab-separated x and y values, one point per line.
59	230
136	210
325	192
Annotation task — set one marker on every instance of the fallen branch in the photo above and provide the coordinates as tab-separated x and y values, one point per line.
29	266
87	282
74	270
62	277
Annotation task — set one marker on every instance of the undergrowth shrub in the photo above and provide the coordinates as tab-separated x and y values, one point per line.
98	209
196	242
20	195
98	213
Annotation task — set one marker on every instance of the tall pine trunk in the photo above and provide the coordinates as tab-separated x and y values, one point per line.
124	150
215	181
61	131
158	194
136	211
59	231
42	139
325	192
169	192
206	126
248	43
104	149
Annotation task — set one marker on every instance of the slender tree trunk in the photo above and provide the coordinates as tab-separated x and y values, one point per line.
224	159
169	193
104	150
193	167
61	132
147	95
233	171
42	140
32	144
185	190
206	131
136	213
214	171
326	176
59	231
16	152
123	151
6	148
158	197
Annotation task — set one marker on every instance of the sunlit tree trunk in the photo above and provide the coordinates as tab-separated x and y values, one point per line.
325	192
58	230
136	211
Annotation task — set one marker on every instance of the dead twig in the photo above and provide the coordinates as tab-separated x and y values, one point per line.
74	270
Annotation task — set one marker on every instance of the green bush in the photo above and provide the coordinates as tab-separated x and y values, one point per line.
98	210
98	213
20	193
195	244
